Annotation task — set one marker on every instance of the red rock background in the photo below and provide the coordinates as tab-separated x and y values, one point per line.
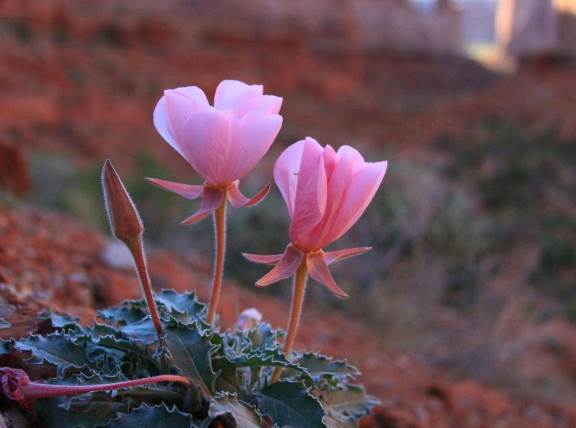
79	80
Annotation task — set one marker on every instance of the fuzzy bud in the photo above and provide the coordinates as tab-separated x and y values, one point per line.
123	216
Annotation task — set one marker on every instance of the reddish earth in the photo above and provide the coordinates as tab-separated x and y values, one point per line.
49	261
85	79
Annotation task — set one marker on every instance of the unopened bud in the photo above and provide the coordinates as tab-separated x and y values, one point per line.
127	226
123	216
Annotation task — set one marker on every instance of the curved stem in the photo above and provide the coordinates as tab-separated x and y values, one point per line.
299	290
137	249
42	390
220	244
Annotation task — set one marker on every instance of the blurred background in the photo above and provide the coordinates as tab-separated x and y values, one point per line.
472	102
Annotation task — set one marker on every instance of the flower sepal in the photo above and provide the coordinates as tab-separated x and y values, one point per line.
286	265
212	196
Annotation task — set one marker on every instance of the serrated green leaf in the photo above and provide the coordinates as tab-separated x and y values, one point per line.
242	413
184	308
191	352
103	360
290	405
127	312
256	361
57	349
347	403
259	359
59	321
263	337
142	331
317	365
58	413
226	377
185	303
102	330
158	416
137	358
239	368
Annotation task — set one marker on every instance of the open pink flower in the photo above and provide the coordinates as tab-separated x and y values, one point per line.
222	143
326	192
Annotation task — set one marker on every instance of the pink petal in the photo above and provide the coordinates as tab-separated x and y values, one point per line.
337	255
252	136
238	200
212	199
271	259
286	173
310	201
232	94
174	108
259	104
346	161
330	159
162	125
194	93
361	190
285	268
205	142
181	103
188	191
270	104
318	269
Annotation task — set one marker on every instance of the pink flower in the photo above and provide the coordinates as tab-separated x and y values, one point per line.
325	192
222	143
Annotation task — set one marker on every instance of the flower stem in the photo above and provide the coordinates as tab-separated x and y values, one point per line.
136	247
299	290
16	385
220	244
37	390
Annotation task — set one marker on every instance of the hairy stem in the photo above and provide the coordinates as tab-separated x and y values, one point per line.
16	385
136	247
37	390
220	244
298	292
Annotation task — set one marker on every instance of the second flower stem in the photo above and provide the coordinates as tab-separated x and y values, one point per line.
220	244
298	293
